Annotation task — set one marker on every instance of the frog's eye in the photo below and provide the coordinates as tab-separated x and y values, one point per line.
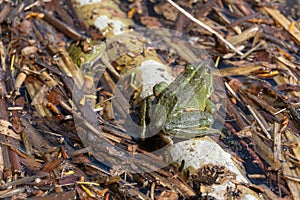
158	88
189	67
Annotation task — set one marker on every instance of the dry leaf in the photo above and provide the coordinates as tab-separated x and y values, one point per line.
167	10
150	22
167	195
6	130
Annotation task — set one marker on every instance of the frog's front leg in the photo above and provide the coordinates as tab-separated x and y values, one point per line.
146	103
148	112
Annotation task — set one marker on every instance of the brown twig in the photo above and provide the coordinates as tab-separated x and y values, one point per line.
188	15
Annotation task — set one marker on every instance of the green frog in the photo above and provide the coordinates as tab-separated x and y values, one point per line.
87	53
181	109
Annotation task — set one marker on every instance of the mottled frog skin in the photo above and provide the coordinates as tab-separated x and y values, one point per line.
87	59
183	108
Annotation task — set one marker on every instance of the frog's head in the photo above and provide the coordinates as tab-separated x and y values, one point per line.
158	88
86	53
190	68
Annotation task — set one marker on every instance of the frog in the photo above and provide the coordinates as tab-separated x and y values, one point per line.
182	109
87	54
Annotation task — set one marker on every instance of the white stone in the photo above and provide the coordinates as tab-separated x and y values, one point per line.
102	22
203	151
85	2
153	72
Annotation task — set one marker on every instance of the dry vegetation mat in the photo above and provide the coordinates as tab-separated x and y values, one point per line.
66	131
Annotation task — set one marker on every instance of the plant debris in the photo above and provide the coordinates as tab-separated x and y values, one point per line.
45	115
